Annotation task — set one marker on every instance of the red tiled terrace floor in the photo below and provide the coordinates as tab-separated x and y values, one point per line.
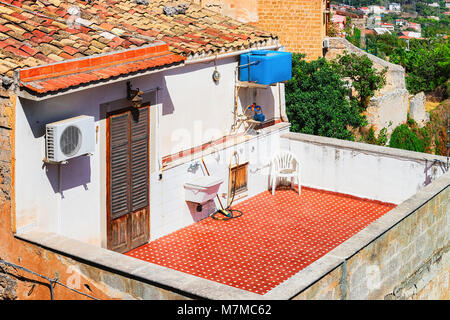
276	237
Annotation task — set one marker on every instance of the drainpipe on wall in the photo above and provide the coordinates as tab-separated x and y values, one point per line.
238	53
158	142
282	103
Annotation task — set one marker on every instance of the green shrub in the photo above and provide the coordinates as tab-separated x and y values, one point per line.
355	38
405	138
371	138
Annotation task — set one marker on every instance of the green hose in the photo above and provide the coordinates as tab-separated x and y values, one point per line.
228	213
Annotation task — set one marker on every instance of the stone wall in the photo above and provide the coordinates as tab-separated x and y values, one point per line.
6	145
389	107
411	260
299	24
8	284
417	109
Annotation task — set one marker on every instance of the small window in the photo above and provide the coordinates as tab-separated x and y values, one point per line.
238	178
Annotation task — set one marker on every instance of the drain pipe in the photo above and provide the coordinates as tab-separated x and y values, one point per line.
216	57
282	105
191	61
448	141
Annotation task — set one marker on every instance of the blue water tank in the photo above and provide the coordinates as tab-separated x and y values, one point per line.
265	66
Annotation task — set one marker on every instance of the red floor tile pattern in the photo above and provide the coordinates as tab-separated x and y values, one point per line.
276	237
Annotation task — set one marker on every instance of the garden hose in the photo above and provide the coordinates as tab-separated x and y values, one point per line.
225	214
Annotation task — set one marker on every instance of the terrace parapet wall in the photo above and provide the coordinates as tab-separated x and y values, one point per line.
403	255
411	260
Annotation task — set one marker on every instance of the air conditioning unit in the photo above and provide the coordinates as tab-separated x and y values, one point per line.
69	138
326	43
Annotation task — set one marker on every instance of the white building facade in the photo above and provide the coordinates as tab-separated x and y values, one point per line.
187	109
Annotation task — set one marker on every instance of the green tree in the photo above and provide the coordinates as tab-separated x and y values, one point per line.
355	38
427	64
434	28
317	100
364	79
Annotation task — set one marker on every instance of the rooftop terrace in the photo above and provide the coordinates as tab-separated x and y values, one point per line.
333	244
275	238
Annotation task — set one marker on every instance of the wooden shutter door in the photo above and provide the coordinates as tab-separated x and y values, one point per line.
128	179
119	169
139	177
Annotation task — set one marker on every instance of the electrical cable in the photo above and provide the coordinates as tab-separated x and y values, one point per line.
53	282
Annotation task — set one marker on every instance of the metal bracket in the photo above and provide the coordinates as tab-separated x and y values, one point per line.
45	160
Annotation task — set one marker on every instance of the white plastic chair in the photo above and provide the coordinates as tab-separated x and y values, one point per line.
284	164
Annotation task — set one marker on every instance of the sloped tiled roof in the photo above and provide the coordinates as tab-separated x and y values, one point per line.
39	32
91	69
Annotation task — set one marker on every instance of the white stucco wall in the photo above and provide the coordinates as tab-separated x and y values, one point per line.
206	107
38	202
363	170
193	110
170	211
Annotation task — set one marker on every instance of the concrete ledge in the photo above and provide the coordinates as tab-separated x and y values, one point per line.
143	271
364	147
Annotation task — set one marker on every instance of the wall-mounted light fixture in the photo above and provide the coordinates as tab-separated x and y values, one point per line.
134	95
216	73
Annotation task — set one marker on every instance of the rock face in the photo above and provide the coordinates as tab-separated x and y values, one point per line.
417	109
388	108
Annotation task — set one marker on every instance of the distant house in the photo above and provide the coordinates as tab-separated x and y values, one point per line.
373	21
379	31
401	23
377	9
410	35
388	26
447	4
339	21
416	26
366	10
396	7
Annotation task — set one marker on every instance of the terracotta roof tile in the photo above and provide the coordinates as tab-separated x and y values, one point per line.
45	30
71	73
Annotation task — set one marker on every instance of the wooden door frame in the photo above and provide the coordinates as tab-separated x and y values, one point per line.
108	169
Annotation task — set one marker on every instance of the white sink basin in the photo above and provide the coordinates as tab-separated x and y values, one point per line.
201	189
